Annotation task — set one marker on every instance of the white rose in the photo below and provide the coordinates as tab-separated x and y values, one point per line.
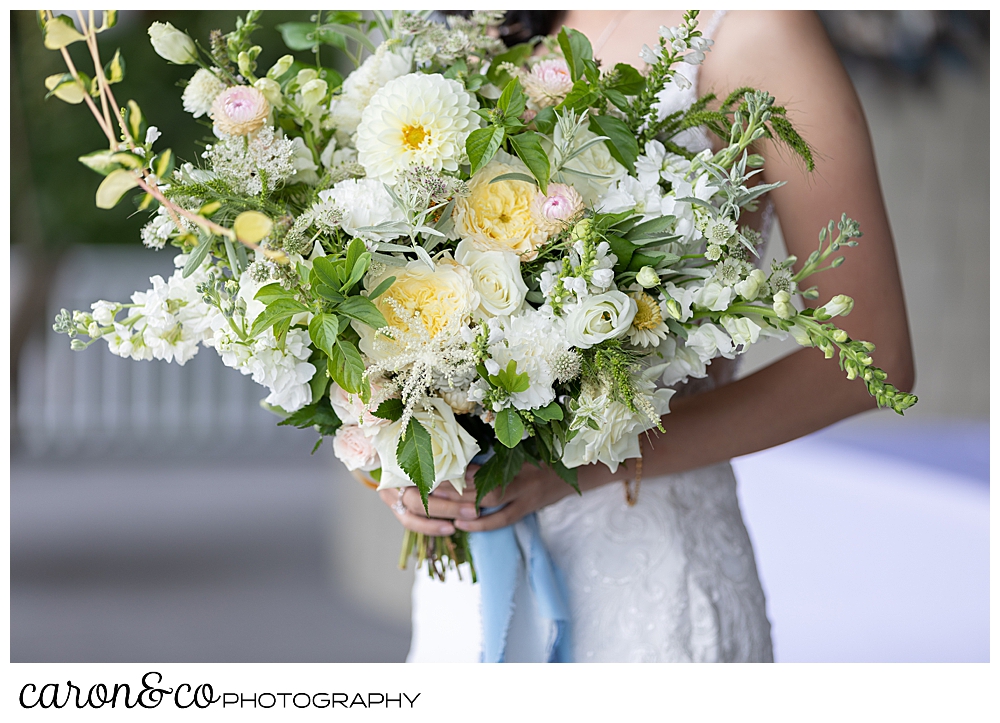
743	330
453	448
596	318
355	449
496	276
596	160
709	341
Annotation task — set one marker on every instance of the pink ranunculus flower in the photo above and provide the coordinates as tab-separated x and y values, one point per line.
355	449
554	211
548	82
240	110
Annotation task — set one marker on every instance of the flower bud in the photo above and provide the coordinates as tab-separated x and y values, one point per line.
840	336
750	287
245	63
305	76
674	309
280	67
271	90
581	230
838	305
173	45
313	93
647	277
783	306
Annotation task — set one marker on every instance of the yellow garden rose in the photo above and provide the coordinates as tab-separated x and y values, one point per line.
497	216
421	296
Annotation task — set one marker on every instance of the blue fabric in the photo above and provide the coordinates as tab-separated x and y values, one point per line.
499	556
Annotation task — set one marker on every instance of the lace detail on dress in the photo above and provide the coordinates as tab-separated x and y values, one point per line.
671	579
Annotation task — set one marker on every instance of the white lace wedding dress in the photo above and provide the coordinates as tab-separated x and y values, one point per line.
671	579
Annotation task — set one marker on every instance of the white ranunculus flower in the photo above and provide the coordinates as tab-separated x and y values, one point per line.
416	120
599	317
355	449
743	330
364	202
172	44
453	448
200	92
617	436
709	341
496	276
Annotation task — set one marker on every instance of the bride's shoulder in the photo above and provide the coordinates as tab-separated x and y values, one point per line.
773	49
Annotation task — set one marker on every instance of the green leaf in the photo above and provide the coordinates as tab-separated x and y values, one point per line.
327	272
528	147
628	81
622	249
114	71
319	382
513	100
621	141
115	185
320	414
252	226
391	409
270	292
415	456
499	470
323	329
576	49
360	308
358	260
551	411
482	144
509	427
568	475
640	259
298	36
513	177
346	366
654	228
134	121
382	287
163	165
64	87
353	33
197	256
274	312
109	20
580	96
516	55
60	31
545	120
100	161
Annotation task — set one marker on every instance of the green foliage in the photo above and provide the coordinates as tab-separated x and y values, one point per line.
415	456
509	427
499	470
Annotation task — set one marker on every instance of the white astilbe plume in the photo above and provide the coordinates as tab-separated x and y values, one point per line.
417	361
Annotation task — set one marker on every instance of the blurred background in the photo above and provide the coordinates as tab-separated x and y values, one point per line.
159	514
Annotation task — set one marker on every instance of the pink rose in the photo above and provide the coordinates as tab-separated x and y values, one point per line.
355	449
548	82
555	211
240	110
352	410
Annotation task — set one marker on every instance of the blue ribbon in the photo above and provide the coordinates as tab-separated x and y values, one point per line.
500	556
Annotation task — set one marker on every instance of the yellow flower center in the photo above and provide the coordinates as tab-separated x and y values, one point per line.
647	315
413	136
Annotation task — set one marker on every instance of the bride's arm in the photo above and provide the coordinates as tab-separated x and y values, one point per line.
789	55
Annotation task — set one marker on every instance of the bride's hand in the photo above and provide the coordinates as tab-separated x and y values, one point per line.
532	488
444	505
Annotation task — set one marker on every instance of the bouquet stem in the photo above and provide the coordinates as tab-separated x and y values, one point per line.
440	553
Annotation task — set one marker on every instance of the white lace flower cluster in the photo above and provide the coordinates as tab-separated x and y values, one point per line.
256	164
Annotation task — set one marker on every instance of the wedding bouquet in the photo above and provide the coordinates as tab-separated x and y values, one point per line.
458	248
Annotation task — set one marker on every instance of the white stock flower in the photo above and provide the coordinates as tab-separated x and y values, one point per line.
752	285
200	92
355	449
416	120
536	342
684	296
709	341
742	330
496	276
303	163
617	436
680	363
364	202
599	317
839	305
452	447
783	305
714	296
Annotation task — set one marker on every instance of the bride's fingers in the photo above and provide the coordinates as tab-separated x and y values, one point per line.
410	520
437	507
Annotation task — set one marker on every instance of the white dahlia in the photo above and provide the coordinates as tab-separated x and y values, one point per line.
200	92
416	120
